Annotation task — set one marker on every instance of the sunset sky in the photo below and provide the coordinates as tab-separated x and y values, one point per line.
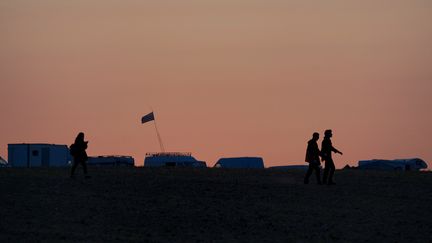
225	78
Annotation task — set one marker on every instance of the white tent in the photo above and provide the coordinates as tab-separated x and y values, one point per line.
240	162
3	163
397	164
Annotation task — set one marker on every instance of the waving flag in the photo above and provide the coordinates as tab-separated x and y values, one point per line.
147	118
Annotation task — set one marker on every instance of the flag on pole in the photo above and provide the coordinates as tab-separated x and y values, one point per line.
147	118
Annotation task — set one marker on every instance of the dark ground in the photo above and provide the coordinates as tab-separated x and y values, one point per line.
213	205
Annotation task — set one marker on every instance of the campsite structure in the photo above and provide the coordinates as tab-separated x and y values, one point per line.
290	167
240	162
38	155
3	163
111	160
414	164
172	159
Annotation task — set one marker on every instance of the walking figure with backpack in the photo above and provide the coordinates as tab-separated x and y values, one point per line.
79	154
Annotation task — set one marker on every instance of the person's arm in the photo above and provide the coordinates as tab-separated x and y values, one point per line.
336	151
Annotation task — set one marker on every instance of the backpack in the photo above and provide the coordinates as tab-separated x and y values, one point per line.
73	149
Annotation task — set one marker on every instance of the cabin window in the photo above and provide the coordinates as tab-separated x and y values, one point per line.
35	152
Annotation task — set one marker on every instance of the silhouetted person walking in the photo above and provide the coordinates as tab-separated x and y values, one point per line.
313	158
79	154
326	153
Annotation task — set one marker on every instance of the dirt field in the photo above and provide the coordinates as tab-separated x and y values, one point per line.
213	205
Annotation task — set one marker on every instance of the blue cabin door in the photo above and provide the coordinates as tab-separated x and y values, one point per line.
45	157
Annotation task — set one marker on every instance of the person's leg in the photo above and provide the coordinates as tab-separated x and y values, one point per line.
326	171
84	165
331	173
308	173
318	173
74	165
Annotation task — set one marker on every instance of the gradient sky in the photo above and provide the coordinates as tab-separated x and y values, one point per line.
225	77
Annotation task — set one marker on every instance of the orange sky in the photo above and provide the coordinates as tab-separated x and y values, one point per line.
225	78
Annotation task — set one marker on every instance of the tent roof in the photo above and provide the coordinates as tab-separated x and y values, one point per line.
2	161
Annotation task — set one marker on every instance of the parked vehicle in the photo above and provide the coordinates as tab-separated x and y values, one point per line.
172	159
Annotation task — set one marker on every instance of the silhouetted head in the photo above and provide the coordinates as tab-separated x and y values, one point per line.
80	137
328	133
315	136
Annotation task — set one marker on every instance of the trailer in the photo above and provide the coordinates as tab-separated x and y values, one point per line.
38	155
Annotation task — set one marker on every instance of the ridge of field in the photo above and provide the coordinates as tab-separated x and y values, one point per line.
213	205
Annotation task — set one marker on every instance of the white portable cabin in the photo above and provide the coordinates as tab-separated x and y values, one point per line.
172	159
414	164
240	162
38	155
111	160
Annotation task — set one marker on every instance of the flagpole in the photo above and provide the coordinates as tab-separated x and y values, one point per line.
159	138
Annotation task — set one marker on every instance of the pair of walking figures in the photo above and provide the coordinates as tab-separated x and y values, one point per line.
313	155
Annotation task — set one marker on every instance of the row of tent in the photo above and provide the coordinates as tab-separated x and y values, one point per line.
53	155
